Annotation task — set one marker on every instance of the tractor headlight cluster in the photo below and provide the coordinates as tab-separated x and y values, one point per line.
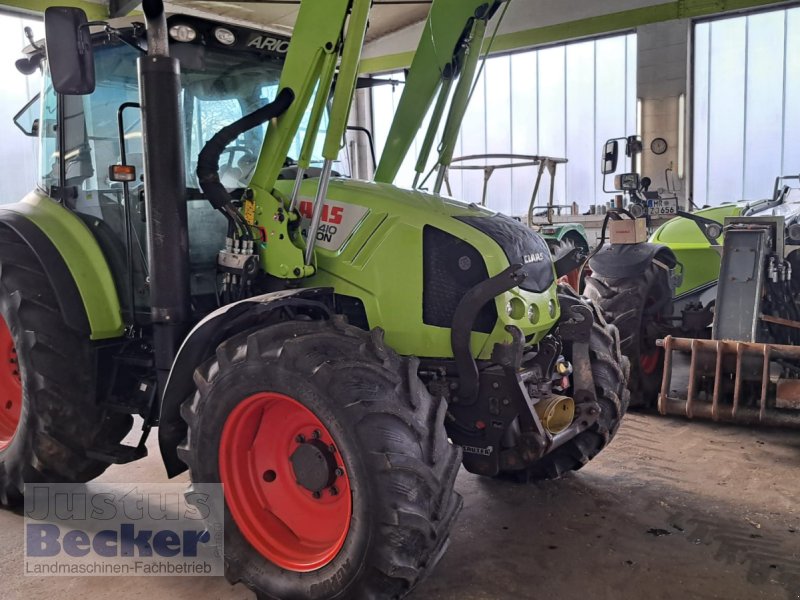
517	309
182	33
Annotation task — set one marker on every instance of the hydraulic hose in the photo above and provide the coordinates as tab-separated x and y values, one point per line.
208	159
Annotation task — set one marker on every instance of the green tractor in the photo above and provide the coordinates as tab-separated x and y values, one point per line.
707	308
331	350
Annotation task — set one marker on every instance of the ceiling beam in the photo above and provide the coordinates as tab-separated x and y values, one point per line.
121	8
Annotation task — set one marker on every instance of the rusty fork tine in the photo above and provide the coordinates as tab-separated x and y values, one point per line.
765	382
692	377
720	348
666	379
738	381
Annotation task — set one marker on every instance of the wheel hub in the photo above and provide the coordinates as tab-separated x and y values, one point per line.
10	387
284	482
314	466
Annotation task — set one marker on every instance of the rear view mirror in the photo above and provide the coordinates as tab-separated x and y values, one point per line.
610	157
69	50
29	66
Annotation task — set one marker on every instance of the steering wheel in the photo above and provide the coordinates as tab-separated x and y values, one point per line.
229	165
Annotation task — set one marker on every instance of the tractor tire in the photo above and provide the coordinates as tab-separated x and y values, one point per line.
48	412
636	306
370	524
610	373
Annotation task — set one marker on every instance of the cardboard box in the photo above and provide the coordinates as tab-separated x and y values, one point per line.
628	231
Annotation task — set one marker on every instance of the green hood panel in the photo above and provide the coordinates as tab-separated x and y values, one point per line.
381	263
83	257
700	261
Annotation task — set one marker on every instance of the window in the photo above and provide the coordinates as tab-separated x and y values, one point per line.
20	154
562	101
746	77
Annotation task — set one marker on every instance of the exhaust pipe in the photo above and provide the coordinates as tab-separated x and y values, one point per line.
165	191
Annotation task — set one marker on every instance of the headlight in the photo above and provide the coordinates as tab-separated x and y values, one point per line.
714	231
515	308
225	36
182	33
533	314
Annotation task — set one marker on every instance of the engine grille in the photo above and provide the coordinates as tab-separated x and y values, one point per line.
451	267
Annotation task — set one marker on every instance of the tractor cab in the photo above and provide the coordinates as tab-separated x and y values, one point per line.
226	72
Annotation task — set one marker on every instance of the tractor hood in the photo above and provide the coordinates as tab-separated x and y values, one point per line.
410	258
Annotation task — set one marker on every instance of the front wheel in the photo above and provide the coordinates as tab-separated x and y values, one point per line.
609	372
338	474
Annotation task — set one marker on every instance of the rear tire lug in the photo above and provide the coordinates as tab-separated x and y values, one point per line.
316	434
334	491
300	439
339	472
316	495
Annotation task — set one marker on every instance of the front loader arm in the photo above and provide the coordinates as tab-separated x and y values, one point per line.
438	55
317	37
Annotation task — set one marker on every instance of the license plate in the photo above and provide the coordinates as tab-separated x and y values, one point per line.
662	206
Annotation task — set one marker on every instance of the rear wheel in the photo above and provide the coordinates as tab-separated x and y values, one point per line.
639	307
337	469
10	387
48	414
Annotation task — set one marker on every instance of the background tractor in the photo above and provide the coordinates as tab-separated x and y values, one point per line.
708	308
567	241
631	279
331	350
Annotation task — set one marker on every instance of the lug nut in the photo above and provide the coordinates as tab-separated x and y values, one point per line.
300	439
334	491
339	471
332	448
316	495
316	434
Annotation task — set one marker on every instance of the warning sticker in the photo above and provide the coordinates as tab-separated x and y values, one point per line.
339	220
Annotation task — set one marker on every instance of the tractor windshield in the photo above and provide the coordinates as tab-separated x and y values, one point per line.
219	87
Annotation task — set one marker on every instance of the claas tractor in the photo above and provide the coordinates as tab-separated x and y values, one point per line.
330	350
707	308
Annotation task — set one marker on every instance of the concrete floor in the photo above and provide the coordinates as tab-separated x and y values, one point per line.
670	510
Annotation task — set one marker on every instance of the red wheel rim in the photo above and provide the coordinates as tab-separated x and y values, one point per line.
10	387
649	362
266	441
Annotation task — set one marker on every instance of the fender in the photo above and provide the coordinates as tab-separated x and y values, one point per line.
202	342
73	262
573	232
630	260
